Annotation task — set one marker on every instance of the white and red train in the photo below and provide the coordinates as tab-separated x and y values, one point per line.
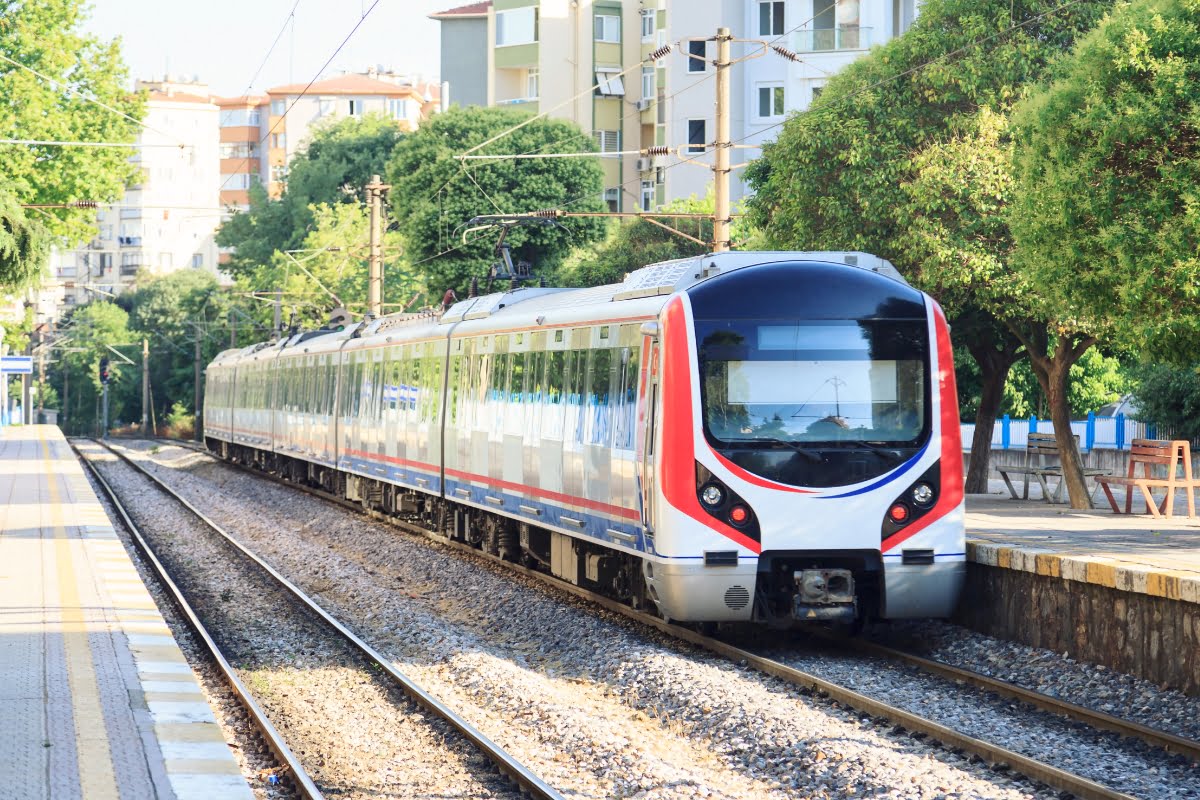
767	437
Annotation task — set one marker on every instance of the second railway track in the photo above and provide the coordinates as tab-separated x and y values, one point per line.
1065	780
359	727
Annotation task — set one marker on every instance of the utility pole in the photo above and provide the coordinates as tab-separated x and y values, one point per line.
375	190
232	329
277	326
104	416
196	390
66	403
145	386
26	411
722	145
41	415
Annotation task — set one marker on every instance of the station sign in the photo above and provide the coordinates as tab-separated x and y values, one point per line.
16	365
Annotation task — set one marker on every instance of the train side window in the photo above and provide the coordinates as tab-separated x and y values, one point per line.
598	396
556	376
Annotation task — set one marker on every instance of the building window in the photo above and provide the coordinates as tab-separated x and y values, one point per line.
235	181
325	106
648	24
106	231
398	108
608	28
612	199
354	107
239	150
647	195
609	83
660	175
647	83
770	101
279	141
197	260
770	19
106	260
130	259
696	136
165	261
278	108
279	173
697	56
516	26
817	91
607	141
532	89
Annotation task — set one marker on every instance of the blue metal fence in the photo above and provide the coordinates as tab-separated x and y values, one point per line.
1104	433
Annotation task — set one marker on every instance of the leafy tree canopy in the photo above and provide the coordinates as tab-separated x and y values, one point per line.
24	245
332	169
434	194
1107	167
1170	396
45	36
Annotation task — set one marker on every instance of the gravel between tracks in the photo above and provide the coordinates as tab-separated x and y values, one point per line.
357	736
598	706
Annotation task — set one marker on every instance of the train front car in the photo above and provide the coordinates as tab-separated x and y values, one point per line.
811	464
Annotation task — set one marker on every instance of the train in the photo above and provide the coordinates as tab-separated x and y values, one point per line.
740	437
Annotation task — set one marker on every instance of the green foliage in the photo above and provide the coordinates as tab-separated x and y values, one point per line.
91	329
835	177
1096	379
1170	396
180	422
333	169
1107	162
46	36
24	245
632	245
435	194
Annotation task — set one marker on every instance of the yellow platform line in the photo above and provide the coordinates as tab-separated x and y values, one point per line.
96	778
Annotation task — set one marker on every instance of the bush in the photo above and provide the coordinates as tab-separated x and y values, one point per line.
1170	397
181	423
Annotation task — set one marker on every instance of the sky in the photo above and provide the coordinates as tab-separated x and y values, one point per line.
225	41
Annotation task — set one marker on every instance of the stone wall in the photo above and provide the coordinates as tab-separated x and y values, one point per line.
1152	637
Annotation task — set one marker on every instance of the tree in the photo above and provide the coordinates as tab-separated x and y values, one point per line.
332	169
45	36
24	245
1170	396
634	244
436	194
90	331
888	160
1107	165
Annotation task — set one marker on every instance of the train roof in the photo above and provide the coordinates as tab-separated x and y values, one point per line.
640	295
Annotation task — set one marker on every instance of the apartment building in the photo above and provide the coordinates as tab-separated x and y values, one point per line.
541	53
168	219
260	134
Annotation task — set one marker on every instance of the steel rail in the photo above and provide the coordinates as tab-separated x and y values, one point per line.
296	772
516	772
955	740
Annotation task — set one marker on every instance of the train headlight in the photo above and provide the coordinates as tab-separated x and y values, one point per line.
712	495
922	494
739	515
899	513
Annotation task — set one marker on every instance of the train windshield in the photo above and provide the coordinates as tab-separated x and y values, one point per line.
816	402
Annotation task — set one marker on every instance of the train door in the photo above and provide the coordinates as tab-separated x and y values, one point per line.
648	427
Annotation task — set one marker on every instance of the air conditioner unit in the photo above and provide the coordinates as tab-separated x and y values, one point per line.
645	164
644	103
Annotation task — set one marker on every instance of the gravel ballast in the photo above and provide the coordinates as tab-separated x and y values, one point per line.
603	708
357	736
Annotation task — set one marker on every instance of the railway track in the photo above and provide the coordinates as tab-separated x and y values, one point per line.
520	776
1057	778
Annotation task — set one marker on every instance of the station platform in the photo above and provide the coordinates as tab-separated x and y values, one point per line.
1118	590
96	698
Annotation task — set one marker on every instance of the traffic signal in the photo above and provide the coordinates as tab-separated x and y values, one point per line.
104	370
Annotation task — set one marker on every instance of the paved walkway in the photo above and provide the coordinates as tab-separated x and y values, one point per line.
1135	552
96	699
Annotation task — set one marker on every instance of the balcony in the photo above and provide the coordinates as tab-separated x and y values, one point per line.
129	241
843	37
129	270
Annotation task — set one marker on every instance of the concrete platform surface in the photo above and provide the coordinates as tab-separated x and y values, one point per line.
96	699
1135	553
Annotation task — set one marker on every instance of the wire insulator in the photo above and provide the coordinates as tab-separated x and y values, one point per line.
90	204
661	52
657	150
548	213
788	54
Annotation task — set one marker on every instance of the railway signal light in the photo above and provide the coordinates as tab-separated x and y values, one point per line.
104	374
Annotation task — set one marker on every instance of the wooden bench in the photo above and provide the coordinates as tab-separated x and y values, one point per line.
1175	456
1042	446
